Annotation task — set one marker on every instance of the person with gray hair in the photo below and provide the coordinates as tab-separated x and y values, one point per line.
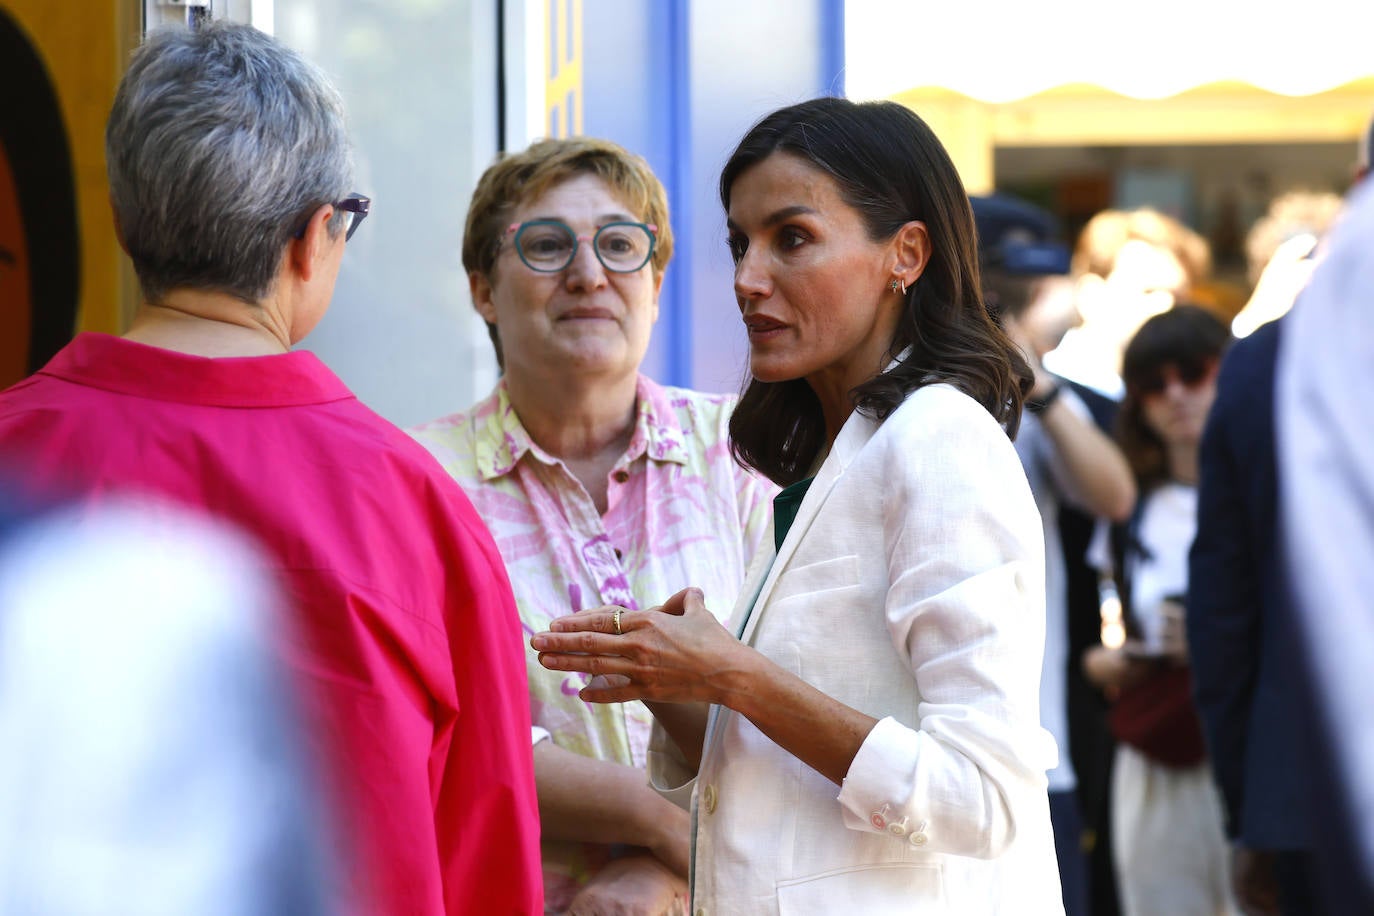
230	169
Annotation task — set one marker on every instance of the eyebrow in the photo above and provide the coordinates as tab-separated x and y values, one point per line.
600	220
777	216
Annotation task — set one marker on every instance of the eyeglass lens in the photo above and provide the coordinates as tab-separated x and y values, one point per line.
1190	374
549	246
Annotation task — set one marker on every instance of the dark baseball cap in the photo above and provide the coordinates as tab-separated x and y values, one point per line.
1017	237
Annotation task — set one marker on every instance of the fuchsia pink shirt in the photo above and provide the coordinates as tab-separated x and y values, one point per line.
406	632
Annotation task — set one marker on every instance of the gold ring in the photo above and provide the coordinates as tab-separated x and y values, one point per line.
615	619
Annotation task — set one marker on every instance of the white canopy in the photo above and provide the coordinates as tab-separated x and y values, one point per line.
999	51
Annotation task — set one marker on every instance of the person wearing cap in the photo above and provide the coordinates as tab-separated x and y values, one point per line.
1067	459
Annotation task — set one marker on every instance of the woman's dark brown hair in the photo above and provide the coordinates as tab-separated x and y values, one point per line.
1185	336
891	168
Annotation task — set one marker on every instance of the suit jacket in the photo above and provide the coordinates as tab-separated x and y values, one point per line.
910	587
1239	635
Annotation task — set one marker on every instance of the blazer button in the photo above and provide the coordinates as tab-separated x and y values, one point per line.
918	836
708	798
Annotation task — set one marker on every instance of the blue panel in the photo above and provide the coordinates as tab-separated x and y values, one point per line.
679	82
627	96
747	60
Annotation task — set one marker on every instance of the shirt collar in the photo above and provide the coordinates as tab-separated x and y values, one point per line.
502	440
127	367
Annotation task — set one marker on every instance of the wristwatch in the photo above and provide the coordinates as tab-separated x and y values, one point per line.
1042	404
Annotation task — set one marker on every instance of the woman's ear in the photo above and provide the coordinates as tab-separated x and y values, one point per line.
307	253
912	249
118	227
480	286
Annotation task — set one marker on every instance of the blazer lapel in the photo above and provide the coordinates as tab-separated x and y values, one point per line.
855	433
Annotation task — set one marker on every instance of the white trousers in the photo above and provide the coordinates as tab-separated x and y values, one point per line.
1172	858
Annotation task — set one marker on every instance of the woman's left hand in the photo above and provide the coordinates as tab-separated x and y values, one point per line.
675	653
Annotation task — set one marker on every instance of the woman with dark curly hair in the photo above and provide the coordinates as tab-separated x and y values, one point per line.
868	739
1171	854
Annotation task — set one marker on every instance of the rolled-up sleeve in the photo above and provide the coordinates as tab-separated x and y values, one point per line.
965	606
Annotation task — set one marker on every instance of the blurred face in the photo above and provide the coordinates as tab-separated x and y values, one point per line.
583	320
1176	398
1145	281
812	287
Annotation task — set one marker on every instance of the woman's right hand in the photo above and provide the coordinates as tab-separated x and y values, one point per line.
675	653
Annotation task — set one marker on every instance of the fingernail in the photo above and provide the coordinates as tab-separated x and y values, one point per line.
539	643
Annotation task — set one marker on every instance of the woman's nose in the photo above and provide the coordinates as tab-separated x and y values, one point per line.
751	279
586	270
1174	387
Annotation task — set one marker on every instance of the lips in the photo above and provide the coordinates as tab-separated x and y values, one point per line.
762	324
584	312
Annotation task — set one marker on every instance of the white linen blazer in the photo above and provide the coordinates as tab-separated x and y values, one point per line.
910	587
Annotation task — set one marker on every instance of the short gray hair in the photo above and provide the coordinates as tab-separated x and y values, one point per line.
220	144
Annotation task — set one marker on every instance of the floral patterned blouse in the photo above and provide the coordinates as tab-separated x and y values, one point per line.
680	512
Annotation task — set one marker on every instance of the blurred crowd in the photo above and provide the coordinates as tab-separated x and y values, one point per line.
263	652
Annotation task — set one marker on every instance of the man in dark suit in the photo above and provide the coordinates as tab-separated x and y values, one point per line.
1241	642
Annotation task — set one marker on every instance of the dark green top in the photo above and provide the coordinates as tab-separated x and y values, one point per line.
785	507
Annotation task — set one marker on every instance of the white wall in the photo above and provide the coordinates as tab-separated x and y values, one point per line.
419	82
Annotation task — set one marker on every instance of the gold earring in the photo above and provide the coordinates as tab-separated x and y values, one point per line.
898	284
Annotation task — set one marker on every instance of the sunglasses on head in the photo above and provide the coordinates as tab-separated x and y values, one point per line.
1189	372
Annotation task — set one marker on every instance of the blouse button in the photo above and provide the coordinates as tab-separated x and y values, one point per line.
709	799
621	475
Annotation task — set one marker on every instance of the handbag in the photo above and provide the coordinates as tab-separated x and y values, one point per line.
1157	717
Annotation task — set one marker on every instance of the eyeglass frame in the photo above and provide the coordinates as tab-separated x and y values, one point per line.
1191	373
518	228
358	204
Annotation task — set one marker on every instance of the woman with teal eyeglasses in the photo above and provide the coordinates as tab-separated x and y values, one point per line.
599	485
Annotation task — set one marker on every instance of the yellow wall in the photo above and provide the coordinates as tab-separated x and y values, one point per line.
84	45
1090	116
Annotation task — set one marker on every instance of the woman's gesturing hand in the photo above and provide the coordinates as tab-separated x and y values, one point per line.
675	653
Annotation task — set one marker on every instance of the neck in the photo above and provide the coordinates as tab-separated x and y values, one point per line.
576	422
833	389
213	324
1183	463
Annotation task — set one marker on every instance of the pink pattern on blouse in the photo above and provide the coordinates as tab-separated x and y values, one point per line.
680	512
